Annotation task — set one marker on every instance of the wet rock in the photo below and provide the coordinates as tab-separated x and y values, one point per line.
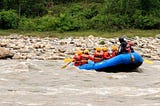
91	36
55	58
158	36
3	44
146	55
4	53
63	43
19	56
25	47
38	45
155	57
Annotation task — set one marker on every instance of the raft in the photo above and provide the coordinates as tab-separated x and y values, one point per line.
121	62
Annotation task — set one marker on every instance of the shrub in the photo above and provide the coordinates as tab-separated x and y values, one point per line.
146	22
102	42
67	23
8	19
26	24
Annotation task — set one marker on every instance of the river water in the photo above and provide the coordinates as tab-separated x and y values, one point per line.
44	83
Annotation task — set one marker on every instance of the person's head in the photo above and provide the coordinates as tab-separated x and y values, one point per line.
86	51
121	39
98	49
79	52
105	49
114	48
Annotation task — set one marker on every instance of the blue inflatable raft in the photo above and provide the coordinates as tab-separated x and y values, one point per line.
120	62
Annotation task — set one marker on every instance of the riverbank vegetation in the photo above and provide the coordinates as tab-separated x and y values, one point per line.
127	32
107	18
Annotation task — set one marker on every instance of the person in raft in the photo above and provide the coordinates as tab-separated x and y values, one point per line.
125	47
77	58
106	54
114	51
85	57
98	55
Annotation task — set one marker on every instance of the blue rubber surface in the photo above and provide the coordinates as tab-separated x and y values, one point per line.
115	61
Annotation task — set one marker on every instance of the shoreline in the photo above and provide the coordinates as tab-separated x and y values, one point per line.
25	47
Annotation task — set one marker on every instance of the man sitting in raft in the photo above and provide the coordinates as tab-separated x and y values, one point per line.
98	55
77	58
125	47
85	57
106	55
114	51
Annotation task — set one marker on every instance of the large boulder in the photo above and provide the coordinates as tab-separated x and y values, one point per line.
158	36
5	53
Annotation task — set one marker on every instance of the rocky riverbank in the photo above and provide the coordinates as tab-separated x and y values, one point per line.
23	47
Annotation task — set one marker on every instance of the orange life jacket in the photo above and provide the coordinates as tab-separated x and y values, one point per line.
77	60
114	53
106	55
98	56
85	58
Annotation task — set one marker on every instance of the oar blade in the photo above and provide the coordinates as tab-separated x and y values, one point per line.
68	60
148	61
65	65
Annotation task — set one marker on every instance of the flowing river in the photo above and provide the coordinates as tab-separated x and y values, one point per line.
45	83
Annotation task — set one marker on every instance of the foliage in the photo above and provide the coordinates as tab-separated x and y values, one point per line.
26	24
78	15
145	22
8	19
29	8
102	42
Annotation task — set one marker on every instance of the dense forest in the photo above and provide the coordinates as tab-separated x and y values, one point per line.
79	15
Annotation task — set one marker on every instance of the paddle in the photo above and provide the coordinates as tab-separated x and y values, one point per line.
67	60
148	61
65	65
71	60
132	59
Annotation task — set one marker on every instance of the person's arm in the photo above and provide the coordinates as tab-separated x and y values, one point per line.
131	43
106	55
91	58
119	49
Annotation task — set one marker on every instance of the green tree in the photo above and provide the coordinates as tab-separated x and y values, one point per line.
34	8
150	7
26	7
8	19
